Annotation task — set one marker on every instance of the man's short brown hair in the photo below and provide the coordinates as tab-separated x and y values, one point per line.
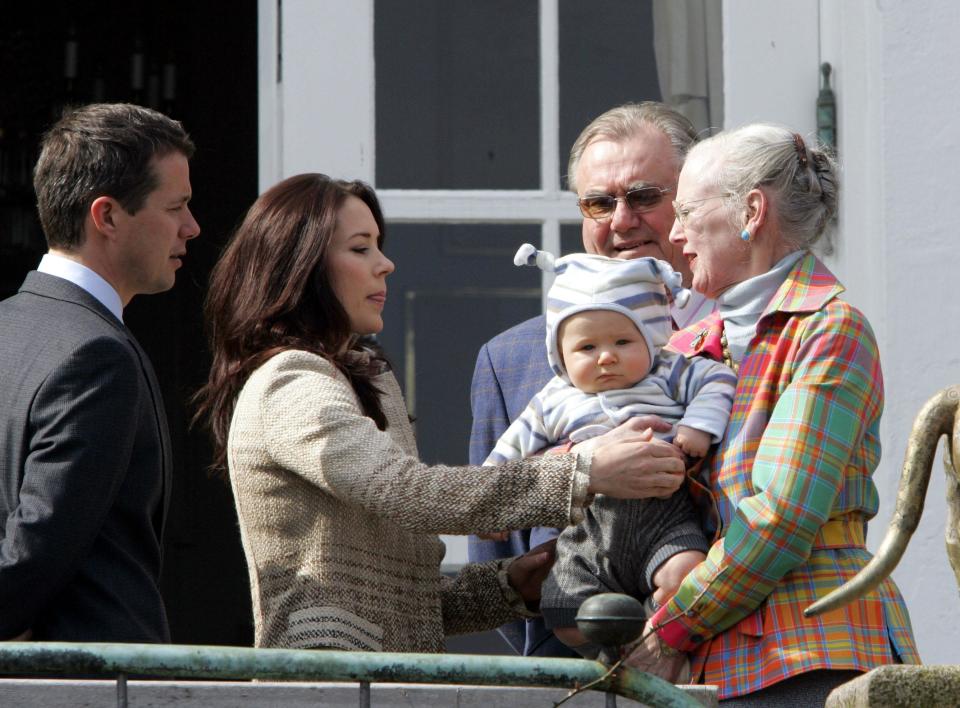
102	149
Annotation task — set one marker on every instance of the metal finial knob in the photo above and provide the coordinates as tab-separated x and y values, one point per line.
611	619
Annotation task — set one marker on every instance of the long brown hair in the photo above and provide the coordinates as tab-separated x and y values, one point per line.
270	292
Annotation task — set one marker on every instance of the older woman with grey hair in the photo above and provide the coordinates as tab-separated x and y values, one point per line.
791	480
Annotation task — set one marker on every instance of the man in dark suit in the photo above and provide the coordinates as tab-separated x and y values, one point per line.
624	167
85	462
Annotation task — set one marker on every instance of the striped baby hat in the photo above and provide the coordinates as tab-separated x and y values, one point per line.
636	288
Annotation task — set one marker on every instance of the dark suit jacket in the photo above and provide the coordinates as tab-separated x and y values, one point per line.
510	369
85	470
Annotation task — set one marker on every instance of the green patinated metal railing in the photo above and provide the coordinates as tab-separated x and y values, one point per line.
241	663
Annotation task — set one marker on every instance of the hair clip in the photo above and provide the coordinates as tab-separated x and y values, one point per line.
801	150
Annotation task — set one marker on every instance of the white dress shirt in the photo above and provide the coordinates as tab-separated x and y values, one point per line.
85	278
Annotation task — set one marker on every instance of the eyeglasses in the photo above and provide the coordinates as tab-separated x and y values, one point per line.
682	209
600	207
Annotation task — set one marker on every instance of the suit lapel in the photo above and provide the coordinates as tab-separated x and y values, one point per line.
160	417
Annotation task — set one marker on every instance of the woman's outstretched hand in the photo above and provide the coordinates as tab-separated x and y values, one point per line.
628	463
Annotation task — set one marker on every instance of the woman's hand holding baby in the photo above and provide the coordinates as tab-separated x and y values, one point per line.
628	463
625	431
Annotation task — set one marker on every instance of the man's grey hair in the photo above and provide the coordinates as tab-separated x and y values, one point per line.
623	122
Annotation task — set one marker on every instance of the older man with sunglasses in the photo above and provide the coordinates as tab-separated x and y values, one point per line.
624	168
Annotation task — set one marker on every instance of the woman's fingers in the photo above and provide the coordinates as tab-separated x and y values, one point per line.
652	422
661	448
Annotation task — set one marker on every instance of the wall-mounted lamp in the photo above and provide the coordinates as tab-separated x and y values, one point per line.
826	110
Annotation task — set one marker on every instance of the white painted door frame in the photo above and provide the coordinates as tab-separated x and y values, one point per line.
317	112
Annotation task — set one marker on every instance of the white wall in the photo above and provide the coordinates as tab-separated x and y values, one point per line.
920	101
770	63
896	250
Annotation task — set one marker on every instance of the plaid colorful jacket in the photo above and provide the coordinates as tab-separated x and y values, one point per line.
793	489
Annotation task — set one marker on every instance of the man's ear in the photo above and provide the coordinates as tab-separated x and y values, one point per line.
104	212
757	204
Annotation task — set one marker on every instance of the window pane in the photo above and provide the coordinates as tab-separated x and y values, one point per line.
606	58
571	238
454	288
457	94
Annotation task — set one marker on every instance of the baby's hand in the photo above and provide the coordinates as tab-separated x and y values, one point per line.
693	442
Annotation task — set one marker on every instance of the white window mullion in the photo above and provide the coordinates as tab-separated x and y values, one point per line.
549	96
479	205
550	128
550	238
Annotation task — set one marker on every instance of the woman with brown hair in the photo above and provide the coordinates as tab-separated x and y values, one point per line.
337	514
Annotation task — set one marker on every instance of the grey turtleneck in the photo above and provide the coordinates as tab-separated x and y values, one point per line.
742	304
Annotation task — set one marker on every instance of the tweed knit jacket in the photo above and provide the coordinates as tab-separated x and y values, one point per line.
339	519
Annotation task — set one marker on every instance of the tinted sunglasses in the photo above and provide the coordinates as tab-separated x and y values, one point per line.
600	207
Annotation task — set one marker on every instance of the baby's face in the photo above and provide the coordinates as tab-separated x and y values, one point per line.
602	350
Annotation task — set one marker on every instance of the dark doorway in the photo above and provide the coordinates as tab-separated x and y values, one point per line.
198	63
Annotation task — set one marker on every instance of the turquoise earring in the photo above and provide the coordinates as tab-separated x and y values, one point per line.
745	235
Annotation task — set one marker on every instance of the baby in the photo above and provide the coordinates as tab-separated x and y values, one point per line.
607	323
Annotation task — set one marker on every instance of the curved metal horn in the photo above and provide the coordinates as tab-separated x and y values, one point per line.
951	461
937	418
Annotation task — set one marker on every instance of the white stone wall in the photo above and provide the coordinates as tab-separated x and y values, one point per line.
895	66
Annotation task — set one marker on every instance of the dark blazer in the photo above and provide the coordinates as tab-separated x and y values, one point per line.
510	369
85	470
